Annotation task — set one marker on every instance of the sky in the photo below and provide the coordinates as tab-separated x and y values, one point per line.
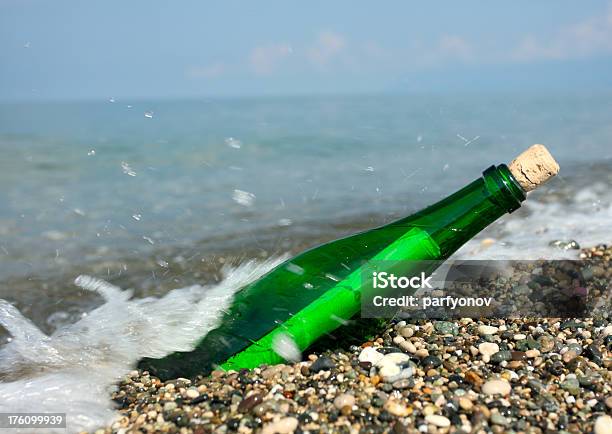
81	50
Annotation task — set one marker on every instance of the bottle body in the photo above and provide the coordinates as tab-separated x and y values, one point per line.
316	291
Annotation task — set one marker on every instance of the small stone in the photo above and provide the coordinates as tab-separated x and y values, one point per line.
488	348
389	371
272	371
399	428
282	426
547	343
322	364
446	328
473	378
421	353
398	340
570	355
344	400
437	420
603	425
571	324
408	347
498	419
532	354
571	385
519	337
609	402
396	408
249	402
465	403
535	384
518	356
406	332
593	353
169	406
501	356
401	384
431	362
485	330
496	387
192	393
370	355
394	358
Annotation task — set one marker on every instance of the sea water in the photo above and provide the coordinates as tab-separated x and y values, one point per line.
121	231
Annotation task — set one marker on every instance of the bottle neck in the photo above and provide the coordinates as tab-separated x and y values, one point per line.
459	217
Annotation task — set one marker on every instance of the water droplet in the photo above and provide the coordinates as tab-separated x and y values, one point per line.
162	263
137	217
332	277
285	222
295	269
308	285
445	168
92	153
284	345
127	169
148	114
419	138
79	211
233	143
369	169
243	198
111	99
148	239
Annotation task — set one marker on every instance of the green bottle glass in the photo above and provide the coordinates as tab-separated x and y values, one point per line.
318	290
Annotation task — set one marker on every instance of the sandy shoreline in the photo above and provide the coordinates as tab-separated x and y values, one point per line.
520	375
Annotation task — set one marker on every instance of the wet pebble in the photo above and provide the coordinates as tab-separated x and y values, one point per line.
488	348
603	425
396	408
466	404
498	419
322	364
370	355
446	327
501	356
485	330
283	426
344	400
249	402
431	362
496	387
437	420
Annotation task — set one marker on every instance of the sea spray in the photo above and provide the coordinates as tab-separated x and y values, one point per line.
74	370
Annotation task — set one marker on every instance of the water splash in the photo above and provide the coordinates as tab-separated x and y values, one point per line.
243	198
74	369
127	169
584	216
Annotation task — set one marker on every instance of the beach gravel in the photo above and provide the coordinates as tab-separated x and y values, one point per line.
545	375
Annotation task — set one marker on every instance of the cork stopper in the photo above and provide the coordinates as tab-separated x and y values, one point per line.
533	167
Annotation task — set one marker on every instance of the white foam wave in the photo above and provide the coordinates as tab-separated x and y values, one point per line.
585	218
73	370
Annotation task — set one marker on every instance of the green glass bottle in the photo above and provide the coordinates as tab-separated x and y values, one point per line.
318	290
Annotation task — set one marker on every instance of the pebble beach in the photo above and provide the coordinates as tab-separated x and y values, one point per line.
533	375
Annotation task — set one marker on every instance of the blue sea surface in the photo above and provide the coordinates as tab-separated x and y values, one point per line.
112	182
